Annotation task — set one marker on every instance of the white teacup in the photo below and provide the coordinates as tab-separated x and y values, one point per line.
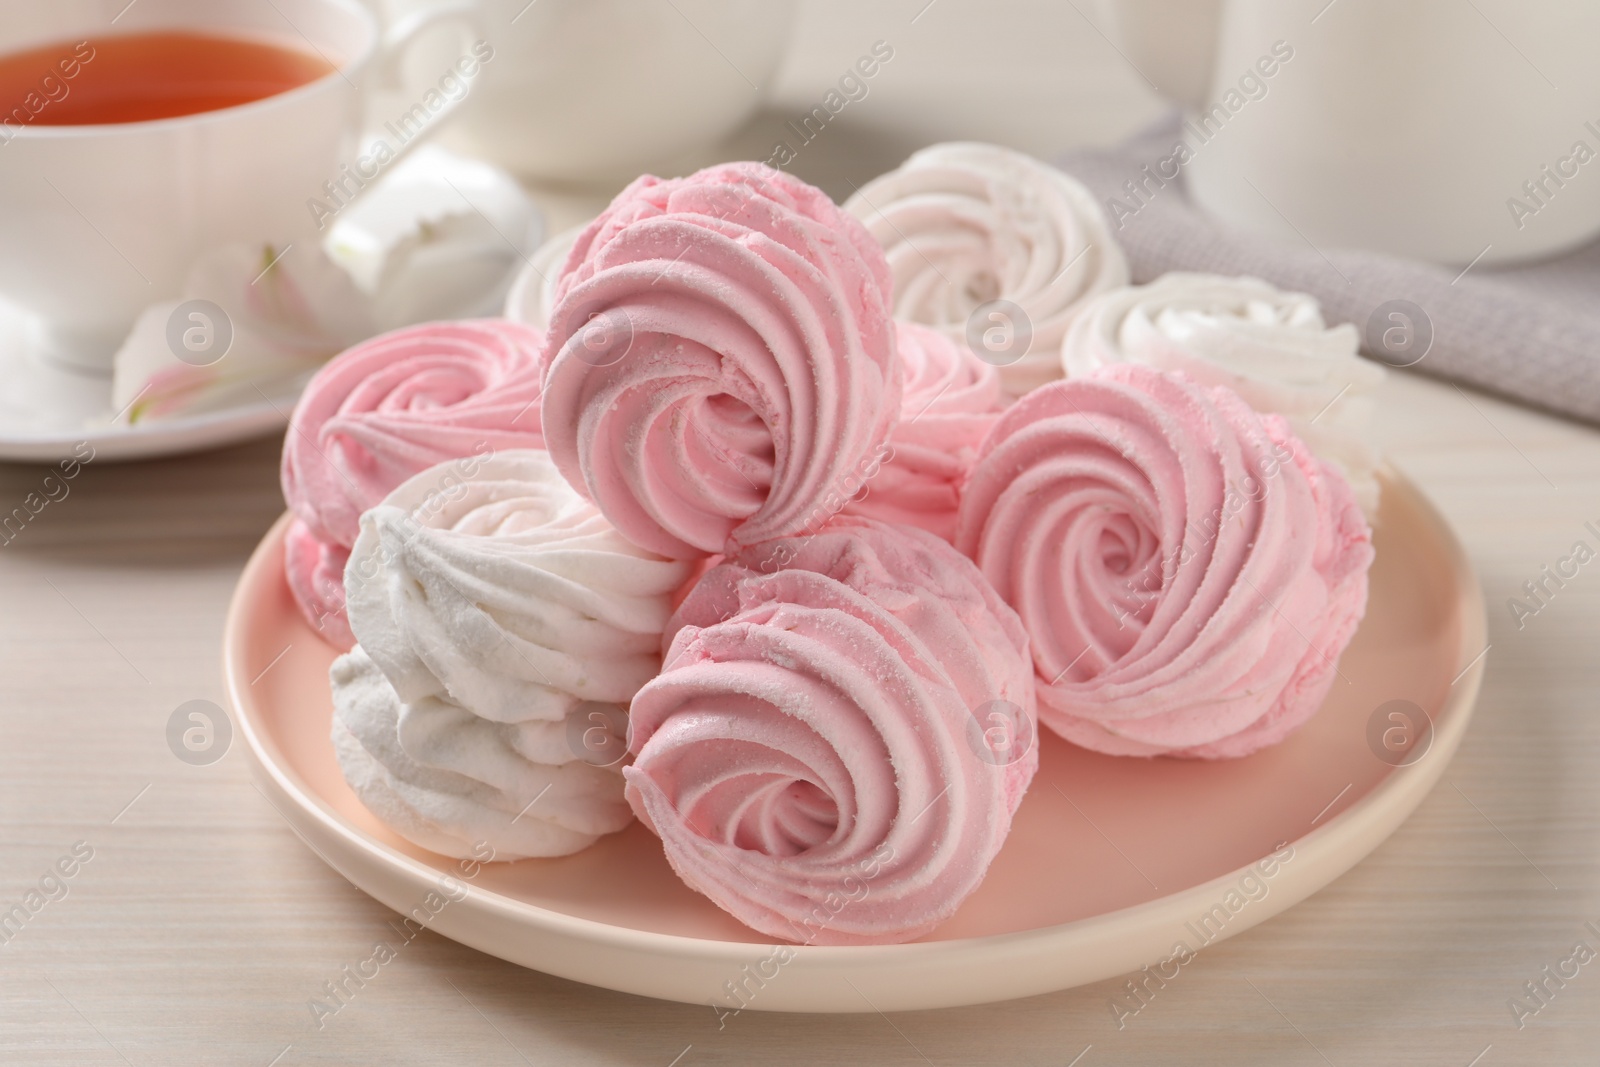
1456	132
99	221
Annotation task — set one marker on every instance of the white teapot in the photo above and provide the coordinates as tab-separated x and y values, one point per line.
1446	130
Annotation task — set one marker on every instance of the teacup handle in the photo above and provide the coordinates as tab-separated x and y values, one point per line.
404	131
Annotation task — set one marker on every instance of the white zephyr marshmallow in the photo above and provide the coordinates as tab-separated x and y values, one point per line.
964	224
533	293
503	626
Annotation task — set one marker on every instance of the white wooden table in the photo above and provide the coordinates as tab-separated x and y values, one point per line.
201	928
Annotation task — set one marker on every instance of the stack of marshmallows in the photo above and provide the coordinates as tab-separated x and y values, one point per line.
782	527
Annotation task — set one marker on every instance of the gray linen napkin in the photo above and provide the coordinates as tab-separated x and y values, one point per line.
1530	332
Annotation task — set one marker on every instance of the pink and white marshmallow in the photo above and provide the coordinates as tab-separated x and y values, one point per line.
383	411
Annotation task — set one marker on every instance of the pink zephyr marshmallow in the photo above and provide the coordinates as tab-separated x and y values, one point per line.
720	359
951	399
840	734
1188	571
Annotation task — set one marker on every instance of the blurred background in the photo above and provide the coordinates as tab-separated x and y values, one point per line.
1036	75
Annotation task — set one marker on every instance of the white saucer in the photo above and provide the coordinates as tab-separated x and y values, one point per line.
48	411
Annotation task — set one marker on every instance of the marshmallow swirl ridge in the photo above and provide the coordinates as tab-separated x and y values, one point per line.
811	754
964	224
720	359
1187	570
950	400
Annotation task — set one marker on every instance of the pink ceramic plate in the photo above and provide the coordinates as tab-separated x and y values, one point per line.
1111	862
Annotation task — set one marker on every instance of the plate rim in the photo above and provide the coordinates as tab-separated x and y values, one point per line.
1365	824
164	437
